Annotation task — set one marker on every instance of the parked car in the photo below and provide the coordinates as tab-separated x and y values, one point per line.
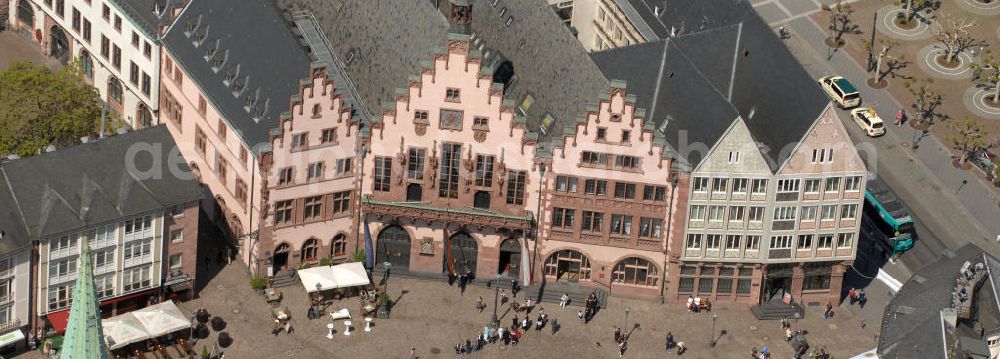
841	91
869	121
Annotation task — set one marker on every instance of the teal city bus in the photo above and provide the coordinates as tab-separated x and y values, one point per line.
893	217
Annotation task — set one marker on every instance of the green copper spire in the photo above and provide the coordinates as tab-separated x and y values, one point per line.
84	334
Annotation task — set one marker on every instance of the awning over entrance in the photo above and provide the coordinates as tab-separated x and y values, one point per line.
331	277
11	337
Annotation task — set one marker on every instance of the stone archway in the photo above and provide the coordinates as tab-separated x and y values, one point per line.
58	44
567	265
510	258
280	258
393	246
464	254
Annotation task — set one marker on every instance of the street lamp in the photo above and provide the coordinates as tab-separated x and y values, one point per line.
496	296
715	317
797	316
361	185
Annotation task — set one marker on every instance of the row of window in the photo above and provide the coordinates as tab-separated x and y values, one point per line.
300	141
315	171
721	285
718	213
623	190
813	185
311	208
60	296
594	221
734	242
448	181
759	186
610	160
100	258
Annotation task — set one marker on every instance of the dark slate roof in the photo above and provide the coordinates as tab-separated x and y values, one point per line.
15	235
911	325
266	55
109	176
709	77
671	89
389	39
144	13
645	11
381	42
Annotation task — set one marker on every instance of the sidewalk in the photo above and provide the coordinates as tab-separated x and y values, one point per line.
925	180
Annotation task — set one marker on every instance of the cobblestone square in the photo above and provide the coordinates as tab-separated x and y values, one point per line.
433	317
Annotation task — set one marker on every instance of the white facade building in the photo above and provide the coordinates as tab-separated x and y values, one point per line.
115	43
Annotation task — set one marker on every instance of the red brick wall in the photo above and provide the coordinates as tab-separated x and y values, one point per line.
188	246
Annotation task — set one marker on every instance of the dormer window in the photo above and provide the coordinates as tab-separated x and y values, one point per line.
231	73
239	84
219	60
452	95
190	27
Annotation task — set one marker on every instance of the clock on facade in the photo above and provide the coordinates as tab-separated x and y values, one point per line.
451	119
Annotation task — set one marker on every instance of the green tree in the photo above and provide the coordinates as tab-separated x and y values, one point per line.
971	136
840	22
926	99
39	107
988	68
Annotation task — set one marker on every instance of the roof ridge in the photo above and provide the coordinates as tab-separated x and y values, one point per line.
736	54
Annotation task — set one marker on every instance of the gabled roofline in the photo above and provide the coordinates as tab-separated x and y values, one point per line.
838	123
732	126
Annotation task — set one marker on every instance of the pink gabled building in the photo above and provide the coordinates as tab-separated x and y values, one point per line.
221	95
608	200
450	177
310	181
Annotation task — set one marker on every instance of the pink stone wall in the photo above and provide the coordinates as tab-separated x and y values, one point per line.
240	218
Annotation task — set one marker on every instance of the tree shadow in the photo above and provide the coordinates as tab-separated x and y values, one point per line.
893	68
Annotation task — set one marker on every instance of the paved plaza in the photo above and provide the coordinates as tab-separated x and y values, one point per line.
433	317
14	47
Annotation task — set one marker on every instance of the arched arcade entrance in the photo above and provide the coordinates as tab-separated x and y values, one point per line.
464	254
58	44
393	246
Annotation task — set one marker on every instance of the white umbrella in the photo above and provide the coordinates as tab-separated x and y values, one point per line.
123	330
161	319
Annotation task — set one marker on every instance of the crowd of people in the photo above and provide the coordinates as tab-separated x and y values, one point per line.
508	336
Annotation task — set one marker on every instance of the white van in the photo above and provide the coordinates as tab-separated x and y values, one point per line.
841	91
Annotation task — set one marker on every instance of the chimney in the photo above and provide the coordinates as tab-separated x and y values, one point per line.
460	16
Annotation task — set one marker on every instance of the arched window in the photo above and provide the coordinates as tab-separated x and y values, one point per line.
568	265
635	271
86	64
309	250
144	116
114	90
339	247
25	13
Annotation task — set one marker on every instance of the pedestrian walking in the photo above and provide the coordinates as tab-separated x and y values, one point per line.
788	334
479	304
514	288
277	327
514	321
413	353
554	326
829	311
784	322
31	342
503	297
621	348
463	279
564	300
852	295
288	327
900	117
670	341
618	335
862	299
580	314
